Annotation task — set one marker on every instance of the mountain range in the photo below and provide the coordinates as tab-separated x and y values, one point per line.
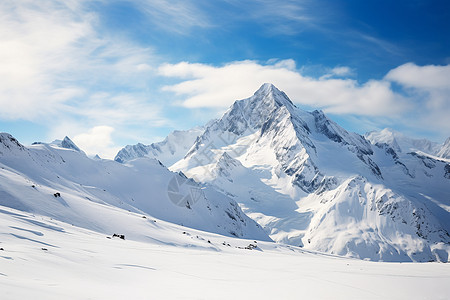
58	180
310	183
266	170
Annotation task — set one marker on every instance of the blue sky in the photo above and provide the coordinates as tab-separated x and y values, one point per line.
111	73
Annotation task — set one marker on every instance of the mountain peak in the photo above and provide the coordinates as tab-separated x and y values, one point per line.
8	141
68	144
252	113
266	88
268	91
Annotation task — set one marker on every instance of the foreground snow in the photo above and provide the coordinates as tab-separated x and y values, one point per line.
47	259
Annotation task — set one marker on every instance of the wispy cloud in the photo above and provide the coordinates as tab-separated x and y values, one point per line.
57	66
385	46
287	17
178	16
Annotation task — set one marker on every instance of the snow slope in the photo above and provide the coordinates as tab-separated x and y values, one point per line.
42	258
64	184
311	183
444	151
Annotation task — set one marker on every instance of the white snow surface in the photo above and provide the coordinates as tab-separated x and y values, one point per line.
42	258
311	183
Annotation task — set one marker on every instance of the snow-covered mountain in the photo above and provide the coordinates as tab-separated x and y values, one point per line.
66	143
304	179
401	143
58	180
170	150
311	183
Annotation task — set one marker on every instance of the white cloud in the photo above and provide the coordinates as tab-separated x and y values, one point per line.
118	108
209	86
421	77
420	102
53	58
429	88
33	47
97	140
341	71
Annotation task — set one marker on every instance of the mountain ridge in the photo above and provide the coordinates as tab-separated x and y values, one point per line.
68	186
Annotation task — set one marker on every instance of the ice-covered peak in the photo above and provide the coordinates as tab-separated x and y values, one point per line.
9	142
69	144
402	143
270	95
65	143
251	113
385	136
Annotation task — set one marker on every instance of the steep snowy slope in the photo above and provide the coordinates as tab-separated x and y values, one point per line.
63	183
311	183
170	150
444	151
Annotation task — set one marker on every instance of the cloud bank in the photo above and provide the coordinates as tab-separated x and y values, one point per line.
418	94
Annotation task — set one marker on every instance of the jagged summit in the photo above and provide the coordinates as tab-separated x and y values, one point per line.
65	143
269	92
69	144
7	141
250	114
